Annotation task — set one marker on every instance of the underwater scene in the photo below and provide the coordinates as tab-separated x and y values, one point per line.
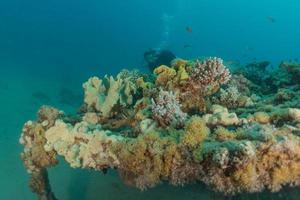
140	99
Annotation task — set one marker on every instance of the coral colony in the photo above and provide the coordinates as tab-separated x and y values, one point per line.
195	120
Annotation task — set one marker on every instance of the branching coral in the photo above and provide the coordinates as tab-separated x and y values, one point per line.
205	79
209	75
166	110
232	98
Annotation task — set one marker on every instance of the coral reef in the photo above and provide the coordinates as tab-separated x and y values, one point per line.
188	122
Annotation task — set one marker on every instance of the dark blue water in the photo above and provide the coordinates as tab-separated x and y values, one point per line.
49	46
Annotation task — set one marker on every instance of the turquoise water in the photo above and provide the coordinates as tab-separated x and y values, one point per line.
47	49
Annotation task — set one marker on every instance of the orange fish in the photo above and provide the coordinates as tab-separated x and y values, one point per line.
189	29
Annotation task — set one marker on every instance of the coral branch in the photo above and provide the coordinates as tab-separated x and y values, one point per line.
210	74
166	110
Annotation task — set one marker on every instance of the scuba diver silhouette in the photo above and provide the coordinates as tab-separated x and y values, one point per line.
155	58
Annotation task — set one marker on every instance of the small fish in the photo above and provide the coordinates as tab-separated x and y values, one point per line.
187	46
189	29
271	19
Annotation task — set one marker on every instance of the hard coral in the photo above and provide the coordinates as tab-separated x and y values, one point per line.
232	98
205	79
166	110
209	75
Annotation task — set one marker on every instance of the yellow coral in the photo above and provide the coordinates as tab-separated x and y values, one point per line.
182	75
246	177
195	132
177	63
142	84
287	168
285	174
164	74
147	158
171	154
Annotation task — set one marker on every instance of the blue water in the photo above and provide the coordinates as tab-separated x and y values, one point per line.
51	46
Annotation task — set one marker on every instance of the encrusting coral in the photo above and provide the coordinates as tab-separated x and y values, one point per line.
195	132
188	122
35	157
